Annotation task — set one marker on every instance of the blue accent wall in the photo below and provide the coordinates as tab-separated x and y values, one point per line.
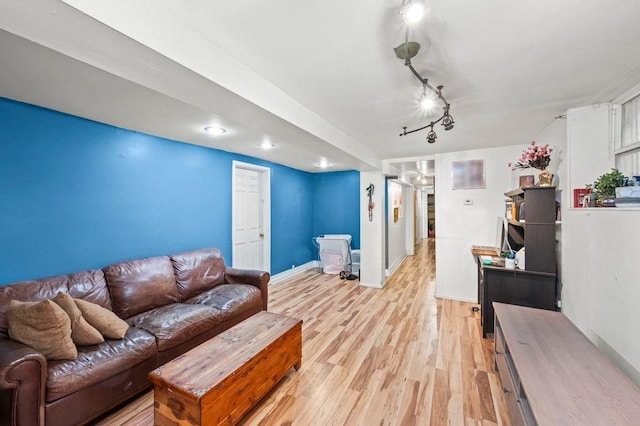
291	218
76	195
336	204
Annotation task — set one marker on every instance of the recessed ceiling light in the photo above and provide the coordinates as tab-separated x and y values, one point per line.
215	130
323	164
266	145
413	13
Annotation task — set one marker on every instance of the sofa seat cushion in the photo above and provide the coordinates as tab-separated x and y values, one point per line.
99	362
176	323
230	299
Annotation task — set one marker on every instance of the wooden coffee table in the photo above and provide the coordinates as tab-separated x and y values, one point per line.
219	381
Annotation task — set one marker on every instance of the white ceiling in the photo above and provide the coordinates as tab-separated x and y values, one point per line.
38	75
320	79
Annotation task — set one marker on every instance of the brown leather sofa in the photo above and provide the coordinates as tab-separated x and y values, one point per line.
172	303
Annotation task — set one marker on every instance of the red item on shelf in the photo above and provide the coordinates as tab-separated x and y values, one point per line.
578	196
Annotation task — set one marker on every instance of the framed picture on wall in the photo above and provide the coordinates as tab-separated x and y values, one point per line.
395	195
468	174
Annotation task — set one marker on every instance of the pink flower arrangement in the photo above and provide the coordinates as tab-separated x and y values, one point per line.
535	156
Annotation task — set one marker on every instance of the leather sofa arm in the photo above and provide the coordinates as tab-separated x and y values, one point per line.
23	375
259	279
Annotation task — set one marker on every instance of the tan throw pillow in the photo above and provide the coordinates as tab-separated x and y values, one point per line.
105	321
82	333
42	325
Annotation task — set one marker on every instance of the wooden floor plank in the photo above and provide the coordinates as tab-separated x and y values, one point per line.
396	356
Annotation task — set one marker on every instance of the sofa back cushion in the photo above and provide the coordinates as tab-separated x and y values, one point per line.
198	271
140	285
88	285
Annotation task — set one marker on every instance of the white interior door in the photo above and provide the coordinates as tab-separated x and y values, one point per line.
248	211
251	216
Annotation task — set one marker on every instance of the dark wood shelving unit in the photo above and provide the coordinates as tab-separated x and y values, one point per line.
431	210
534	286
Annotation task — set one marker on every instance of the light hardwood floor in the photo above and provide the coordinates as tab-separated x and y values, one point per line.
396	356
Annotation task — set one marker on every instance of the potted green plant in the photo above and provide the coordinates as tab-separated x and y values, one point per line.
605	187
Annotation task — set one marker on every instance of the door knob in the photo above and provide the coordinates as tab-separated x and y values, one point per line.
261	235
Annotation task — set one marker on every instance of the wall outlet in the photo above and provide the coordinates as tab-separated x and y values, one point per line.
468	201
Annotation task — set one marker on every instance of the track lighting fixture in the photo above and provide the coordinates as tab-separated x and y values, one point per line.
412	12
431	136
447	121
446	118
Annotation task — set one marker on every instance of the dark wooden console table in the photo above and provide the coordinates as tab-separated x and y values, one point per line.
515	286
553	375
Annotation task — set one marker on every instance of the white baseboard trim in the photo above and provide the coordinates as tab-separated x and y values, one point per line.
379	286
395	266
456	298
290	273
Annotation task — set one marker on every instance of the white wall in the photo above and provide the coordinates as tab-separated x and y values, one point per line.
600	292
396	231
460	226
421	215
372	238
589	134
600	250
424	215
409	221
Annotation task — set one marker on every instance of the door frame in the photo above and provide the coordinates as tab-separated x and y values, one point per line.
265	178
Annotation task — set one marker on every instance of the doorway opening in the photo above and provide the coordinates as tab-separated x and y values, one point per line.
411	193
431	215
251	216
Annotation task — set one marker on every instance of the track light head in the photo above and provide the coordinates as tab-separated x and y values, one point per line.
431	136
447	121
